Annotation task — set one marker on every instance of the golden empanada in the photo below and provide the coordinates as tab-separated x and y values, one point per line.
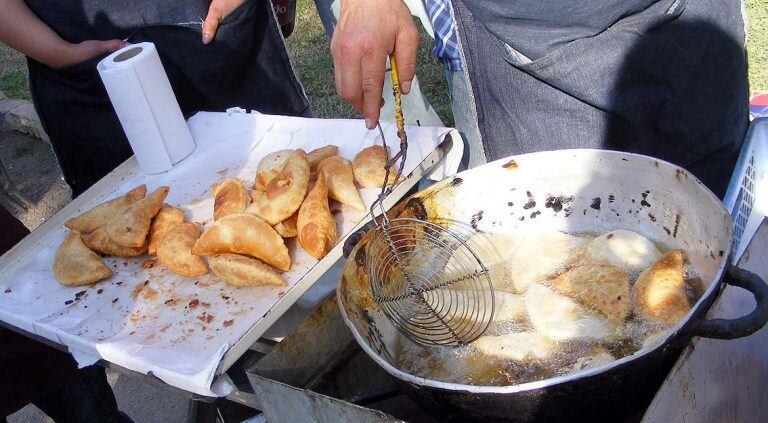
600	287
175	251
99	215
130	228
368	167
317	155
99	241
229	196
341	181
660	290
166	219
287	228
316	226
244	233
285	192
269	167
239	270
75	264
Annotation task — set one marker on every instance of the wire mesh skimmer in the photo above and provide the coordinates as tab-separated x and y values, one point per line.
423	275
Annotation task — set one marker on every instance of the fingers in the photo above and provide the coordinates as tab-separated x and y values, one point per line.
346	70
110	46
211	23
77	53
406	44
373	66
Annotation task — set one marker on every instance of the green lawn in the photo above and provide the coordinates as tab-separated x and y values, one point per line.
13	73
309	49
757	44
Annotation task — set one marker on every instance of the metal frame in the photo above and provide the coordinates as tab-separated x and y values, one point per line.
250	341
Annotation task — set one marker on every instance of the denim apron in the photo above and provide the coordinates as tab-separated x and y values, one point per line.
666	78
245	65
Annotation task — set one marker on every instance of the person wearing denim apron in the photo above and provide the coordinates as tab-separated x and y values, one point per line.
665	78
246	64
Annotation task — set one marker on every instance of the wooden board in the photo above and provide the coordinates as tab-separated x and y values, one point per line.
722	381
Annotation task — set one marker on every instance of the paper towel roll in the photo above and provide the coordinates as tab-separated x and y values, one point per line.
148	111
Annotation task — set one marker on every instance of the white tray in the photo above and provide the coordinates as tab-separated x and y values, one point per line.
161	330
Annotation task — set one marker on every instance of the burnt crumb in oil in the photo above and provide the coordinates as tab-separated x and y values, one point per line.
652	217
534	214
556	203
611	198
596	203
476	218
531	202
677	225
510	165
644	201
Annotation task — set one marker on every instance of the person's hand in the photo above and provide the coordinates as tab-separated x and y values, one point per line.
218	10
80	52
367	32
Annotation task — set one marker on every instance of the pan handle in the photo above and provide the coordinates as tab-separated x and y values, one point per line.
742	326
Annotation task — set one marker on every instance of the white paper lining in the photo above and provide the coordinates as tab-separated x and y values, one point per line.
151	320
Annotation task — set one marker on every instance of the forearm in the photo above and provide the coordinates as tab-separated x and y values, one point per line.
22	30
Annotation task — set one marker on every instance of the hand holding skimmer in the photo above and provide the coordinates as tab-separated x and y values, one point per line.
423	275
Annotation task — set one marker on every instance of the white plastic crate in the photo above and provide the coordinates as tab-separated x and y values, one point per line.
747	195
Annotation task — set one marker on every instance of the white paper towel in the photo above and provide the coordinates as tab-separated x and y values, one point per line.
148	111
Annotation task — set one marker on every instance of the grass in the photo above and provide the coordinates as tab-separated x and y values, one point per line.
310	53
13	73
757	44
22	150
309	49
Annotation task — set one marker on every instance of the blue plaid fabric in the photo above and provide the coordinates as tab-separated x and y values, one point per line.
446	42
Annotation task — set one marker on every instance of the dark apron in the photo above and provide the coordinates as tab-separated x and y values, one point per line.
246	65
668	81
34	372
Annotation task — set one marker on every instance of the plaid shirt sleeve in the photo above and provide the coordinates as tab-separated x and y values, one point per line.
446	41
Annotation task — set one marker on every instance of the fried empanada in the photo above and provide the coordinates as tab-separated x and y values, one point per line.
239	270
175	251
600	287
287	228
166	219
315	224
660	290
341	181
99	215
99	241
244	233
130	227
269	167
285	192
229	197
368	167
626	249
76	265
317	155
